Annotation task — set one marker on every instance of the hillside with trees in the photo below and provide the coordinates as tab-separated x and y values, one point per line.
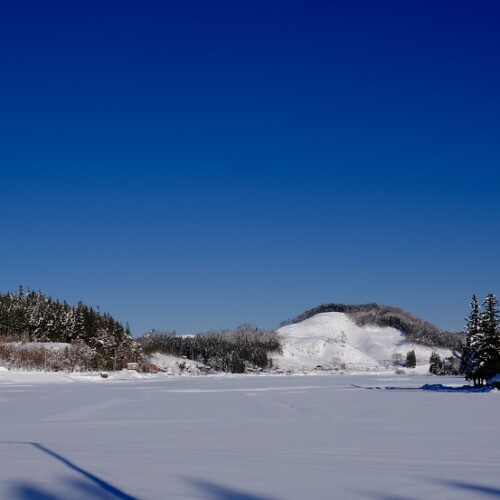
414	329
236	351
90	339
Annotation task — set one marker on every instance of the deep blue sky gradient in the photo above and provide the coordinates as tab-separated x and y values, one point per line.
195	165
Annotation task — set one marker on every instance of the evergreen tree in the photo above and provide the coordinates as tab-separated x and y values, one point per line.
469	365
435	364
489	345
411	359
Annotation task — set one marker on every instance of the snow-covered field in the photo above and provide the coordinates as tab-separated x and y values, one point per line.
246	438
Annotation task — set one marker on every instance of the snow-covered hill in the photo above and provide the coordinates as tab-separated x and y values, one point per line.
332	341
173	365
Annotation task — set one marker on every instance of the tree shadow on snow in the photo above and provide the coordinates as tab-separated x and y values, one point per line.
475	489
94	486
462	388
431	387
29	492
80	489
386	388
212	491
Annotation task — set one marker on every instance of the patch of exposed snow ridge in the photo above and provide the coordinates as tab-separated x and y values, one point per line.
332	341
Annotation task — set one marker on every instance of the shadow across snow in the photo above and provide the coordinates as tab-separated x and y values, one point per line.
78	489
471	490
431	387
212	491
94	486
377	388
30	492
463	388
474	489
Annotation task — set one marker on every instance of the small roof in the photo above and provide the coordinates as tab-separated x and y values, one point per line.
496	378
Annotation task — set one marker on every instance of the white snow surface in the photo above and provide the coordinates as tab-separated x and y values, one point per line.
332	340
247	437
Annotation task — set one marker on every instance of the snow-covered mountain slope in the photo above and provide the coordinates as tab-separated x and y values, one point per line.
332	340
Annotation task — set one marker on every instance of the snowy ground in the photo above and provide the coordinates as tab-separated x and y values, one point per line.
246	438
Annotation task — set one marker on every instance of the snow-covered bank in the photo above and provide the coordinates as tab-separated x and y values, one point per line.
15	377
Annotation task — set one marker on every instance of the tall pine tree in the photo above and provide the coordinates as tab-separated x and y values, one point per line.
489	344
469	364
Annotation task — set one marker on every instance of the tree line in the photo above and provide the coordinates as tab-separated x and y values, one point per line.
236	351
95	340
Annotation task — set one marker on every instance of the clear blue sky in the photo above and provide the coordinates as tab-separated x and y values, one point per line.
195	165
